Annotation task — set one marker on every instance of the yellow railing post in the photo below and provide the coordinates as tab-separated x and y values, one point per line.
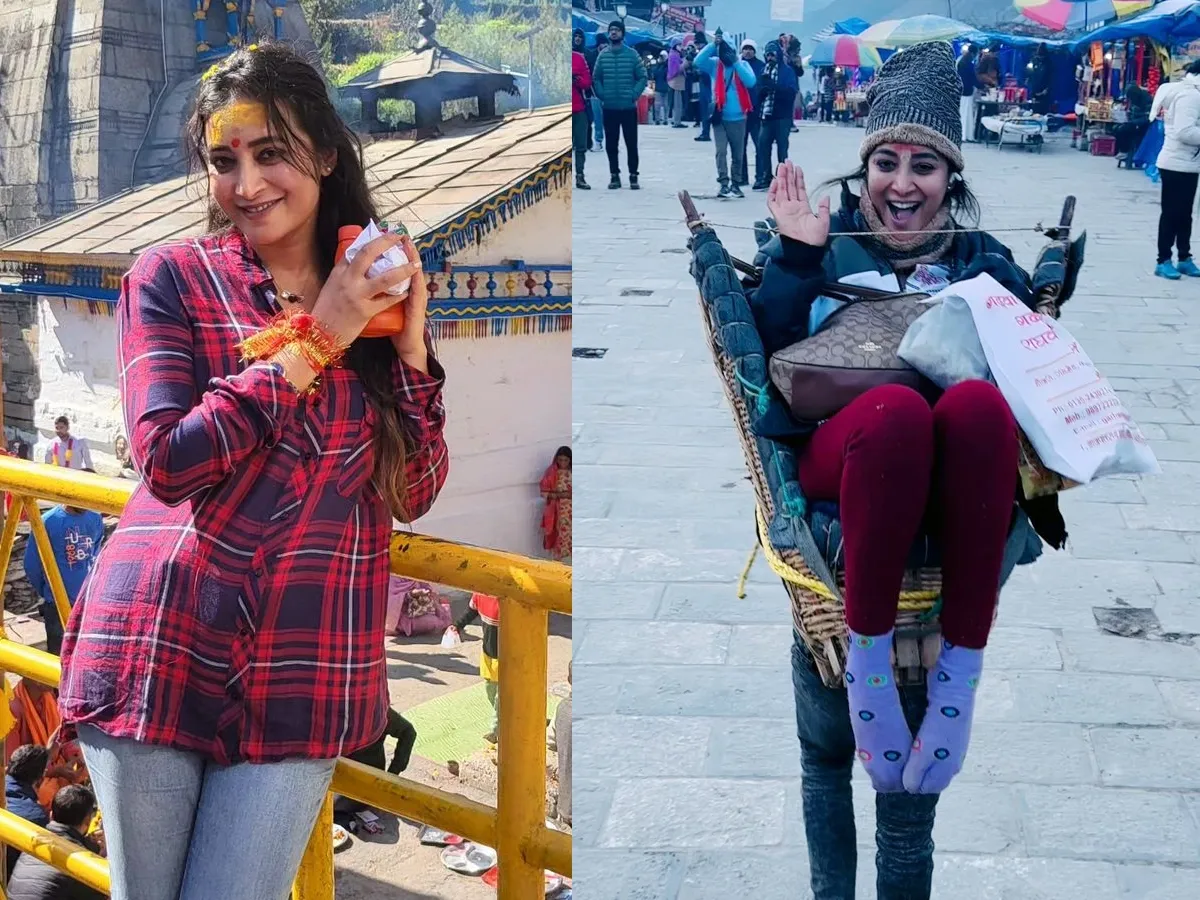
8	537
521	797
314	881
37	528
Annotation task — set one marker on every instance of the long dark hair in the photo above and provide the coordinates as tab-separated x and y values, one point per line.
964	205
298	105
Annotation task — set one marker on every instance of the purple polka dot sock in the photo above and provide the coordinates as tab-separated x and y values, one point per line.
880	732
941	745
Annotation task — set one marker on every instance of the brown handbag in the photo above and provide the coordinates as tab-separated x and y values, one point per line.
853	351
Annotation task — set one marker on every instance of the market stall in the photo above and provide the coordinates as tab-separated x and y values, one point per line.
1121	67
850	63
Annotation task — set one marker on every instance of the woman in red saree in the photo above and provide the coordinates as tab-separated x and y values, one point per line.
556	519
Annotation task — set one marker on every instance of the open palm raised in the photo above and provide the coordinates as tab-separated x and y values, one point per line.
794	216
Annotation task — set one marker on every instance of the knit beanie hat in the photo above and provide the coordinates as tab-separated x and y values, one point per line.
773	47
617	23
915	100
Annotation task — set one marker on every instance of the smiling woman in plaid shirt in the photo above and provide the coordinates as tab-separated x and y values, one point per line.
229	643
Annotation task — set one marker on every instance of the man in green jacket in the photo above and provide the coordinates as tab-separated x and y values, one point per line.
618	80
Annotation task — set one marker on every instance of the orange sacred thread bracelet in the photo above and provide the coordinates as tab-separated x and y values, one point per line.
300	333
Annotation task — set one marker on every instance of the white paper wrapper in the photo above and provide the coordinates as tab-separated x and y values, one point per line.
391	259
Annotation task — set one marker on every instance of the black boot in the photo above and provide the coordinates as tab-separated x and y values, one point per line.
614	183
580	184
633	183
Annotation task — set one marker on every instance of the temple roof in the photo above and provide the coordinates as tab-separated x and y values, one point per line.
421	64
440	188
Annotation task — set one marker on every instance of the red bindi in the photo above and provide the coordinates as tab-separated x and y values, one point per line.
235	143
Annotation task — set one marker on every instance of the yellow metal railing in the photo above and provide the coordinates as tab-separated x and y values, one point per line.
529	590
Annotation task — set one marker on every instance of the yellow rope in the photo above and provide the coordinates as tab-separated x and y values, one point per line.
746	572
909	600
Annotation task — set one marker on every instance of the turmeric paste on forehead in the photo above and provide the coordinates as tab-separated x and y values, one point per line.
239	114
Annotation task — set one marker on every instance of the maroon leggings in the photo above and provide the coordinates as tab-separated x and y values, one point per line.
894	464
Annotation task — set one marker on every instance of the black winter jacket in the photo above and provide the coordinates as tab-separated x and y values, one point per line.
33	879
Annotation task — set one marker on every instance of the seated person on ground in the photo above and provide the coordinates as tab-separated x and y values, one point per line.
72	812
26	769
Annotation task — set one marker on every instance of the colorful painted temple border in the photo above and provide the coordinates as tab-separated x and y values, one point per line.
515	297
464	301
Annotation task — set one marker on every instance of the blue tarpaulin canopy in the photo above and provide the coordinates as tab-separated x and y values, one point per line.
851	26
591	25
1169	23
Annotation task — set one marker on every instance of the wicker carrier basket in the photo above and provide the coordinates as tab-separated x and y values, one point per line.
787	538
785	535
813	578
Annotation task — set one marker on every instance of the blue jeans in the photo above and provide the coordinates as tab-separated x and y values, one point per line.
598	119
704	108
179	827
904	822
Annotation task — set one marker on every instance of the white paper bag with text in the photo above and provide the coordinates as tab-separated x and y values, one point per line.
1070	413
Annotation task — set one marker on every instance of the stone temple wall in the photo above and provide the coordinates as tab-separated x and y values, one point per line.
82	99
78	84
27	55
19	362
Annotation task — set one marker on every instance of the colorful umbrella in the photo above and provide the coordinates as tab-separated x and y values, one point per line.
847	51
895	33
1072	15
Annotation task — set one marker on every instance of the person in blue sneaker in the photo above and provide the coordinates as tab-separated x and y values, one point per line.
1179	166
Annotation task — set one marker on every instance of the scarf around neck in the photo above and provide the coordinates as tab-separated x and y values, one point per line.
906	251
722	95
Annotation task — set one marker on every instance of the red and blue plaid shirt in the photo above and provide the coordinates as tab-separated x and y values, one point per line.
238	609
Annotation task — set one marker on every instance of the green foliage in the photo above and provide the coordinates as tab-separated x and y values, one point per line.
497	40
342	74
492	33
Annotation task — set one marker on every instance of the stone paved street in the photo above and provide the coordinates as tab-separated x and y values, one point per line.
1083	778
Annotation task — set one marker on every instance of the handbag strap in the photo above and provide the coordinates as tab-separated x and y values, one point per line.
854	293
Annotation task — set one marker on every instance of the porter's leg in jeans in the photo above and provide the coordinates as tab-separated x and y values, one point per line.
904	823
827	760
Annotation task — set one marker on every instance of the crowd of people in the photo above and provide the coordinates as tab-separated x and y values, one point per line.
749	115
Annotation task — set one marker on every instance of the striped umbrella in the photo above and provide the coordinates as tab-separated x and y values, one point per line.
895	33
1073	15
847	51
